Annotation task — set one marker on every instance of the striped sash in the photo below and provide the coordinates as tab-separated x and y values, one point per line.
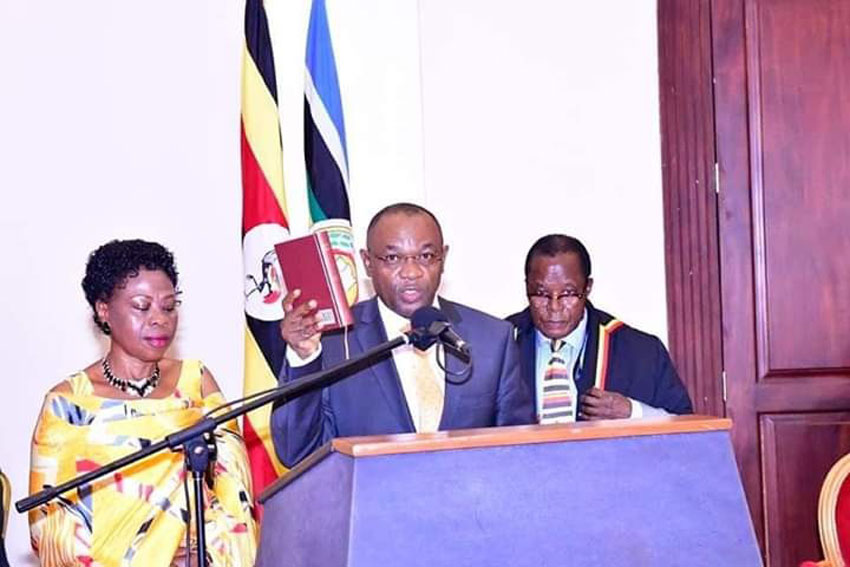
606	331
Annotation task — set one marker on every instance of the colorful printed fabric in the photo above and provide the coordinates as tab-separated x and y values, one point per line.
137	515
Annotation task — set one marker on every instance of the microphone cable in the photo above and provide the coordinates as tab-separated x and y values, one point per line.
466	373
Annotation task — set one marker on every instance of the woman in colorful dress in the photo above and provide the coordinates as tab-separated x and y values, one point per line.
132	396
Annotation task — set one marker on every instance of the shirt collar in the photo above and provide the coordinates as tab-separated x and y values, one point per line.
575	339
394	323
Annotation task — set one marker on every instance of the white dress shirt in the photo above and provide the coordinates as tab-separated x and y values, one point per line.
403	357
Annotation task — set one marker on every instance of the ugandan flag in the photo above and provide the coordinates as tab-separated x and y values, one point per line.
264	223
325	149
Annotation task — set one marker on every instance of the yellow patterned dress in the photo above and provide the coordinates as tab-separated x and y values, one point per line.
137	515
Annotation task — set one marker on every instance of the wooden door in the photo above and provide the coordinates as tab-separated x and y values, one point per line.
778	73
782	111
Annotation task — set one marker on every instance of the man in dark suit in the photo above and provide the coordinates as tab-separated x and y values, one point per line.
570	351
408	390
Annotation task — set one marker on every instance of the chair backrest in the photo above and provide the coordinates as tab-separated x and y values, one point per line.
6	494
834	513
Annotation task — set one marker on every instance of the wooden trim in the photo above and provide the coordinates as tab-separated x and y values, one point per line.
524	434
752	21
735	221
768	443
790	395
692	257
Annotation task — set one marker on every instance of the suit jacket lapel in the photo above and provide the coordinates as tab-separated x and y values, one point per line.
457	370
369	331
526	339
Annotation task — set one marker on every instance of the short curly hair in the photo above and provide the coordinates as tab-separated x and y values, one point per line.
111	264
554	244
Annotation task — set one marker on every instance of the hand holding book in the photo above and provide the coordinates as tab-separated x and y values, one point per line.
301	326
315	299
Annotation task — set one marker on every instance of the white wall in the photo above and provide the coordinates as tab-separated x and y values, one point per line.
508	119
542	116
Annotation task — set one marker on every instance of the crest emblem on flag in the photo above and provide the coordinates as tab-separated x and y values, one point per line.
342	247
264	286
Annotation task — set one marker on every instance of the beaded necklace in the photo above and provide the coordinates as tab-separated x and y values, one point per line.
141	387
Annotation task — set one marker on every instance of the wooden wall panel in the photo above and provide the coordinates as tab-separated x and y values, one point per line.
800	92
798	451
763	88
783	234
690	199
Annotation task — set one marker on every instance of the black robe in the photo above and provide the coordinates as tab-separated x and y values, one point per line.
633	363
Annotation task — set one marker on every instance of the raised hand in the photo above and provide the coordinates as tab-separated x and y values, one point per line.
300	325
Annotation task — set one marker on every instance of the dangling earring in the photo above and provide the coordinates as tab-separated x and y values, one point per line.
107	330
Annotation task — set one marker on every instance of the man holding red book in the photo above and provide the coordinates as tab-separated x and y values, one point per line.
409	390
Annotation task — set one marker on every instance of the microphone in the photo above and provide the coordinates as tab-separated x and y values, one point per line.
430	325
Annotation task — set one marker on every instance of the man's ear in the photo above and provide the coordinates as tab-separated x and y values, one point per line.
588	287
445	254
367	261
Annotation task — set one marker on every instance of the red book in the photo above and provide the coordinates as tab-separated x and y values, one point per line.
307	263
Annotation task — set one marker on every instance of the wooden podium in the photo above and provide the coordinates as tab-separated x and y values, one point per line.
660	491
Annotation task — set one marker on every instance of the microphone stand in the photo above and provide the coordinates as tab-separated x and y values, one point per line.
195	440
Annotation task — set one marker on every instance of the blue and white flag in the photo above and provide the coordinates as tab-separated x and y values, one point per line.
325	148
